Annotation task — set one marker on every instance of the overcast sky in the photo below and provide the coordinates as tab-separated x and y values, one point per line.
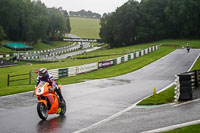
98	6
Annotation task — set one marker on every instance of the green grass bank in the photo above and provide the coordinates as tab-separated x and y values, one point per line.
85	27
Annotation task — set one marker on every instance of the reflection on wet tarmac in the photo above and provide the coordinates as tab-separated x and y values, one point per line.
52	125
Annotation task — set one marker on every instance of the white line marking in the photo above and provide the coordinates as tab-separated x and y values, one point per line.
187	102
164	129
194	63
170	85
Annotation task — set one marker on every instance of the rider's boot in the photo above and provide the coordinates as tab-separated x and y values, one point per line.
60	95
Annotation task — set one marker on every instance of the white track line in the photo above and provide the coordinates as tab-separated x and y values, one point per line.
194	63
175	105
164	129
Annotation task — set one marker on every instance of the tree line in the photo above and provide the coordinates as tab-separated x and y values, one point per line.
27	20
84	14
151	20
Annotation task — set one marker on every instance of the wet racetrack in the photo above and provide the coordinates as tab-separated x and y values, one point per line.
92	101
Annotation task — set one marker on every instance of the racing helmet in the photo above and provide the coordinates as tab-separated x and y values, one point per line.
42	72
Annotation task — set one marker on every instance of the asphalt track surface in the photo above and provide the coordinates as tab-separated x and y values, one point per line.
95	100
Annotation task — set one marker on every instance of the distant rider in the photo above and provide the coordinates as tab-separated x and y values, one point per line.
188	48
43	75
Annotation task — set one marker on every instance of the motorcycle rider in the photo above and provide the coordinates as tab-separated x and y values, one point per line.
43	75
188	48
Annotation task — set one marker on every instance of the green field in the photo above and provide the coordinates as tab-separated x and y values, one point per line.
85	27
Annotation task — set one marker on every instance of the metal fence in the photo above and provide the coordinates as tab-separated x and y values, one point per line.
19	77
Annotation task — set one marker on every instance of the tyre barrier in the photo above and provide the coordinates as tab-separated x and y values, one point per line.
187	86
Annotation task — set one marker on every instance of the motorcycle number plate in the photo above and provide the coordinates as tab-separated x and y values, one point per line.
40	91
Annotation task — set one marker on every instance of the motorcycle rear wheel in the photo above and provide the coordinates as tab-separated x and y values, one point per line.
42	111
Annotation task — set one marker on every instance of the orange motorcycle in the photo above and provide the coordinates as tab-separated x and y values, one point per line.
48	101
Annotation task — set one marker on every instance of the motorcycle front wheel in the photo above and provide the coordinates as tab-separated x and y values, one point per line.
42	110
63	107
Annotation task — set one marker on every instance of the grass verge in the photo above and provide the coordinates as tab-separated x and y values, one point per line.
188	129
166	96
15	89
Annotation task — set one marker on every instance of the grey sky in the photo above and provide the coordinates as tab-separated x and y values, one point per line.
98	6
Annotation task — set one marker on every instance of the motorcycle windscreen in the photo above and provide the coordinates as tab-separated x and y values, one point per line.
40	88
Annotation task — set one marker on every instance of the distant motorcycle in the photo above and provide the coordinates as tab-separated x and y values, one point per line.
48	101
188	48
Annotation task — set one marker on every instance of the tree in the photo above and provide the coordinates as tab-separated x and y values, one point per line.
106	32
57	23
151	20
2	33
119	28
27	20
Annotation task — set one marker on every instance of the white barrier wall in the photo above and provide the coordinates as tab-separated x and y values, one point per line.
132	56
150	50
54	72
125	57
142	52
153	48
137	54
72	71
146	51
119	60
87	68
157	47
